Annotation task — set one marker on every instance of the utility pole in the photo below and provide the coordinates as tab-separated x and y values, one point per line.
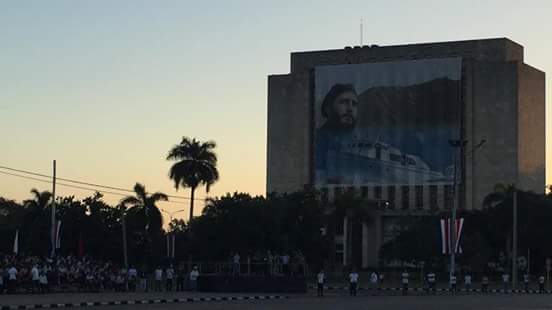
53	231
123	222
514	240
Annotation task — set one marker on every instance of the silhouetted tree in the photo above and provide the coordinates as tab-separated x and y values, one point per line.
196	165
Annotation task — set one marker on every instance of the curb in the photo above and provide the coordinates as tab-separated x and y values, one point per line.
142	302
441	290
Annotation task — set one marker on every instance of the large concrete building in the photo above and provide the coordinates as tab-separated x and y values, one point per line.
501	104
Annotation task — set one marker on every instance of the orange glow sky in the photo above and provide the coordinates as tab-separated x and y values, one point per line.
108	87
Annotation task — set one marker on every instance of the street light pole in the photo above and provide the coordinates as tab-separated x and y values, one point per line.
515	242
53	231
171	233
457	144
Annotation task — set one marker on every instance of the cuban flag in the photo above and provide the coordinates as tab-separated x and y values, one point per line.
446	238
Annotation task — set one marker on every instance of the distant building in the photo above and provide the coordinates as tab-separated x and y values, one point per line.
401	106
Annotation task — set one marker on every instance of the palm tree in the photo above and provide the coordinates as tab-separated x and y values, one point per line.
145	204
196	165
39	201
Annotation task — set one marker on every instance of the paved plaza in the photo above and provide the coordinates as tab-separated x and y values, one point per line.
333	300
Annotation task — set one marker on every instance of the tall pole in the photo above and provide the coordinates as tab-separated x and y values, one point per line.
514	240
123	222
53	230
452	246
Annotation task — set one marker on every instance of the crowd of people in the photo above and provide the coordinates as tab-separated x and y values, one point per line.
26	274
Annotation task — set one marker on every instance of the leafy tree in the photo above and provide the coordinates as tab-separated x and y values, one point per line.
196	165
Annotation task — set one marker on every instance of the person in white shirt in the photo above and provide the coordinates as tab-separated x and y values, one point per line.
12	280
43	280
431	282
35	278
353	282
169	275
320	279
541	284
404	277
158	278
194	275
467	282
374	280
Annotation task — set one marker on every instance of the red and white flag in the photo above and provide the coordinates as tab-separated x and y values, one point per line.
446	238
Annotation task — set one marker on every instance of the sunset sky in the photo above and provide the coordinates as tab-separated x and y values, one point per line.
108	87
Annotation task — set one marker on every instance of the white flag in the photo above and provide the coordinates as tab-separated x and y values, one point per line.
16	242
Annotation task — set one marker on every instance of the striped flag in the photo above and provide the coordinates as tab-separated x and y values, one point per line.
446	238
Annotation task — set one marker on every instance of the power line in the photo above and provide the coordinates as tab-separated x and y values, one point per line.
90	184
74	186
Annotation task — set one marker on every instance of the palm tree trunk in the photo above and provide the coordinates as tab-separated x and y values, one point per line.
192	204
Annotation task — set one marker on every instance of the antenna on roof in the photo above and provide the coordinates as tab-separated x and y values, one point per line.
361	32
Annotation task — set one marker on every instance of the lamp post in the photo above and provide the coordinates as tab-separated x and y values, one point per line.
460	145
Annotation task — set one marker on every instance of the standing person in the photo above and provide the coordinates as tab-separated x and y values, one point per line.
169	275
467	282
12	280
132	278
541	284
321	278
285	264
374	280
505	281
180	278
236	264
353	282
484	284
35	279
158	274
453	283
194	275
404	276
526	282
431	282
43	280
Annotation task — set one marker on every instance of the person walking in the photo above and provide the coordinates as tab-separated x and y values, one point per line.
404	278
320	279
353	283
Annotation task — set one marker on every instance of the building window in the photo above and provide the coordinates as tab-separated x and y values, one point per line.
449	199
433	197
405	196
377	192
364	192
419	197
391	196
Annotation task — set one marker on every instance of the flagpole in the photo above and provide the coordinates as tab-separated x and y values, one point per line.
53	232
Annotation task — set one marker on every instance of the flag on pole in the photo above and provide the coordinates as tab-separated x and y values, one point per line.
58	235
16	242
446	238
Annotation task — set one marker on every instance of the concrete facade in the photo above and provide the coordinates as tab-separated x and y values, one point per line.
503	103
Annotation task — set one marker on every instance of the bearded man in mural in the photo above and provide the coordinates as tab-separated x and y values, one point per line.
394	144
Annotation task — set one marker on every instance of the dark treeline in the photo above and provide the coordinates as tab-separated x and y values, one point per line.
487	235
229	224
